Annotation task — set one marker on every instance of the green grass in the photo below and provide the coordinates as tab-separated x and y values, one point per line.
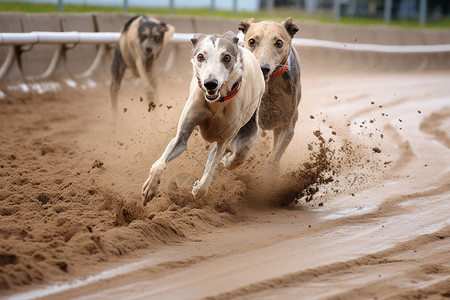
279	14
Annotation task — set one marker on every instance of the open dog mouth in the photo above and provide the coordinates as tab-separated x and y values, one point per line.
212	94
211	88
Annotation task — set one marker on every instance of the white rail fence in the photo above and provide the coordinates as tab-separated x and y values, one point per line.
21	42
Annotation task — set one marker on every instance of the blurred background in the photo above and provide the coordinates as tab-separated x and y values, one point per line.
382	22
409	13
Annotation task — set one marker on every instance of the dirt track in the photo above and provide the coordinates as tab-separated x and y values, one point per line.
368	167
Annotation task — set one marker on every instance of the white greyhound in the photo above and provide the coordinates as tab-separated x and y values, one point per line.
224	98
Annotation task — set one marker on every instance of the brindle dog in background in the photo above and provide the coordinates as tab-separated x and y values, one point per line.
142	40
270	42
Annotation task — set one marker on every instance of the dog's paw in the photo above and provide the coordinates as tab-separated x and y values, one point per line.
224	160
149	189
198	191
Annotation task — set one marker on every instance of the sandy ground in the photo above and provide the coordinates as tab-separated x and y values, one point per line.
358	209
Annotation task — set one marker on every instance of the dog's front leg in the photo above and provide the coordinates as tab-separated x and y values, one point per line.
282	138
176	146
190	117
152	93
149	86
215	156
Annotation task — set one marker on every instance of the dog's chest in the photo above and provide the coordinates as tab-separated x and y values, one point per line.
277	104
221	126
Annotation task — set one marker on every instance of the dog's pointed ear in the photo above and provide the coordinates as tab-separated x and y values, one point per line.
196	38
232	36
245	25
167	30
163	27
291	28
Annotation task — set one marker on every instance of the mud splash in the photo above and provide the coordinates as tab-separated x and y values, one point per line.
64	205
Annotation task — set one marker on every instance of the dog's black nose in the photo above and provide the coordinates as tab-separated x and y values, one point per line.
149	49
265	69
211	84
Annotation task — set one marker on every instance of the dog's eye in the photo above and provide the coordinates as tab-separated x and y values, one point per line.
200	57
227	58
279	43
251	42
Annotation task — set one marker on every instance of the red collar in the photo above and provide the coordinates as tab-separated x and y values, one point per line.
234	90
282	70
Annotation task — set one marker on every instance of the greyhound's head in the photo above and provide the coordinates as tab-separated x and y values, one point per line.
269	41
216	61
151	37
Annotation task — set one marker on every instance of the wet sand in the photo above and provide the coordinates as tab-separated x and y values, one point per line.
358	208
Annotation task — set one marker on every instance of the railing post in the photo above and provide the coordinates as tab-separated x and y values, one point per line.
337	10
60	5
8	61
270	6
213	6
171	6
387	11
422	12
125	6
235	7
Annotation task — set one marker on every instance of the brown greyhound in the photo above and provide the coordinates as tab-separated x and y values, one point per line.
142	40
270	42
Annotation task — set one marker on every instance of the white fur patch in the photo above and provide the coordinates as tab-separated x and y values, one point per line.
212	66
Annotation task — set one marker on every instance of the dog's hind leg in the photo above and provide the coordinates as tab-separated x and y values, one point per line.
201	186
242	143
117	69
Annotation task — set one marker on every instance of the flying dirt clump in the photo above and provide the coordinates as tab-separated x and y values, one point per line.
97	164
318	171
376	150
305	182
333	166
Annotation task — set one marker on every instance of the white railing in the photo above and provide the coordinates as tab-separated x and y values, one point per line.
69	37
372	47
21	42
